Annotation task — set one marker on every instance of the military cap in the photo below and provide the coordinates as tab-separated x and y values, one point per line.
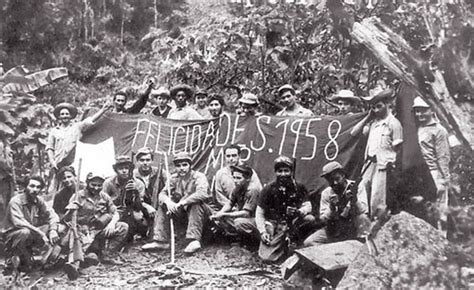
331	167
345	95
283	161
249	99
242	168
92	175
182	156
284	88
418	102
144	151
218	98
65	169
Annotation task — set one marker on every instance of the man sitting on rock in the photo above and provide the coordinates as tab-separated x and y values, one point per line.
97	220
128	194
186	197
236	218
29	224
283	210
340	210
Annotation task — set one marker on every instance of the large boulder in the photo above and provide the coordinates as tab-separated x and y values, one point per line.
410	253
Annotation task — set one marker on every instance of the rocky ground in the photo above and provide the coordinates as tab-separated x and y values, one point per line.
217	265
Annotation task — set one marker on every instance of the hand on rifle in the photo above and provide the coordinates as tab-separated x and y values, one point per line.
109	230
173	207
53	237
266	238
130	185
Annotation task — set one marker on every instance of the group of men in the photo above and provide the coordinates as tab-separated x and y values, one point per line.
95	222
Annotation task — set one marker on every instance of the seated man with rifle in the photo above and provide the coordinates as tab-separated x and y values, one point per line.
128	194
93	219
340	211
283	212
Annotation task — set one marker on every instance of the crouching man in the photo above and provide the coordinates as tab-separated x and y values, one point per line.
283	211
342	213
128	194
30	224
236	218
187	197
97	222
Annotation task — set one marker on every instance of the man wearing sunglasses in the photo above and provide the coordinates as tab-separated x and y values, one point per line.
384	141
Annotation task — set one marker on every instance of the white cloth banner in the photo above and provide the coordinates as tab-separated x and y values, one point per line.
96	158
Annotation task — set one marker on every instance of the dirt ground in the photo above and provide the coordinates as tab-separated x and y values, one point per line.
216	265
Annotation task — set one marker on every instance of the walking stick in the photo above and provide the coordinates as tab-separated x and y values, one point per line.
168	189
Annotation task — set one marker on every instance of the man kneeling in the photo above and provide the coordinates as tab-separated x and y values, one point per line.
187	196
340	210
96	222
236	218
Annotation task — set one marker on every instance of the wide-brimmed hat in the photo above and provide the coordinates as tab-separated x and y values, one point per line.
249	99
182	87
285	88
345	95
161	91
283	161
418	102
182	156
378	95
331	167
70	107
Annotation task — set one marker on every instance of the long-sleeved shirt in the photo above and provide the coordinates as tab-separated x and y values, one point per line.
325	211
225	185
384	136
92	209
62	140
23	213
434	145
140	103
193	188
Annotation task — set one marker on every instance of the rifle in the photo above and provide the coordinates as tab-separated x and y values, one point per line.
168	189
73	232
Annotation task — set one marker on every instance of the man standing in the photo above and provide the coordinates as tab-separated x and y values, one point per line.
224	183
128	194
62	139
181	94
162	96
216	106
434	145
287	96
340	210
29	225
346	102
67	174
201	104
248	105
121	97
283	210
237	215
97	223
382	150
186	197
